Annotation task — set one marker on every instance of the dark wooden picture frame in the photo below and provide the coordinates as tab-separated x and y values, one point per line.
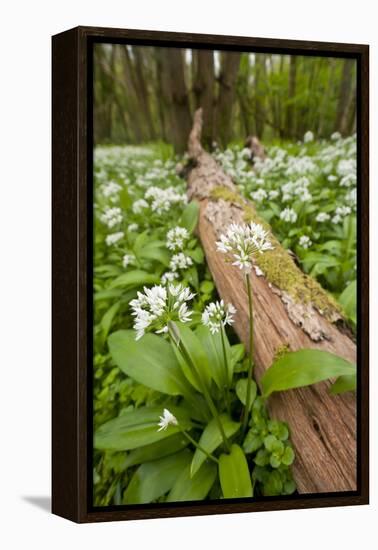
72	69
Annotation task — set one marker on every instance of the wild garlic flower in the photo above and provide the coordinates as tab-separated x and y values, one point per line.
244	242
288	215
166	420
335	136
128	259
139	205
180	261
217	314
133	227
177	238
259	195
111	216
308	137
161	200
110	189
322	217
305	241
113	238
168	277
158	305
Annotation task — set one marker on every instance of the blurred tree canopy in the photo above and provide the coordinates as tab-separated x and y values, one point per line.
142	94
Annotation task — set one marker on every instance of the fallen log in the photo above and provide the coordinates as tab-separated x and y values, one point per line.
291	311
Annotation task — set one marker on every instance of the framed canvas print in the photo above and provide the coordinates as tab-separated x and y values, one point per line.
210	274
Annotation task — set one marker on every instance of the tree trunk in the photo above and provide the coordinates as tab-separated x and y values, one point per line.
226	97
260	84
204	91
142	90
323	427
180	107
344	95
289	126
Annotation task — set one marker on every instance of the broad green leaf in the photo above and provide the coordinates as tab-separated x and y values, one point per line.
164	447
136	428
107	294
189	218
303	368
153	479
150	361
211	438
343	384
107	319
237	353
212	344
348	300
241	391
197	255
156	251
134	278
194	353
197	487
234	474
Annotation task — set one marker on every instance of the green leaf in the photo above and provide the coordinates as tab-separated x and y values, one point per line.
156	251
288	456
252	442
197	487
303	368
348	301
134	278
241	391
195	351
136	428
189	218
197	255
150	361
237	353
153	479
234	474
212	343
107	319
211	438
164	447
343	384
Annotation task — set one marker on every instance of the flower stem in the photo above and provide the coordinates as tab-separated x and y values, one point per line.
202	386
225	360
198	446
250	366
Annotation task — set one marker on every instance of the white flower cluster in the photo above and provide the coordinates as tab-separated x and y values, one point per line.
167	419
128	259
139	205
168	277
288	215
113	238
244	242
133	227
158	305
340	213
322	217
305	241
308	137
111	190
297	189
111	216
259	195
177	238
216	314
161	200
180	261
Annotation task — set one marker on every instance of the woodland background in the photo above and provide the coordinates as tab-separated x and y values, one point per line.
144	94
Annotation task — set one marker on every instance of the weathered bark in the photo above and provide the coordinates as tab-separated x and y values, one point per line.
142	88
203	89
226	97
260	85
323	427
345	90
180	107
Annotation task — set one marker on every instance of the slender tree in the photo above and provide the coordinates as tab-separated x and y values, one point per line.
226	98
345	91
203	89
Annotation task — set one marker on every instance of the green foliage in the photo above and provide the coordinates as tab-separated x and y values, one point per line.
303	368
234	474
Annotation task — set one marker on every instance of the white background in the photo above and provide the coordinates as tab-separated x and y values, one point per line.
25	272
